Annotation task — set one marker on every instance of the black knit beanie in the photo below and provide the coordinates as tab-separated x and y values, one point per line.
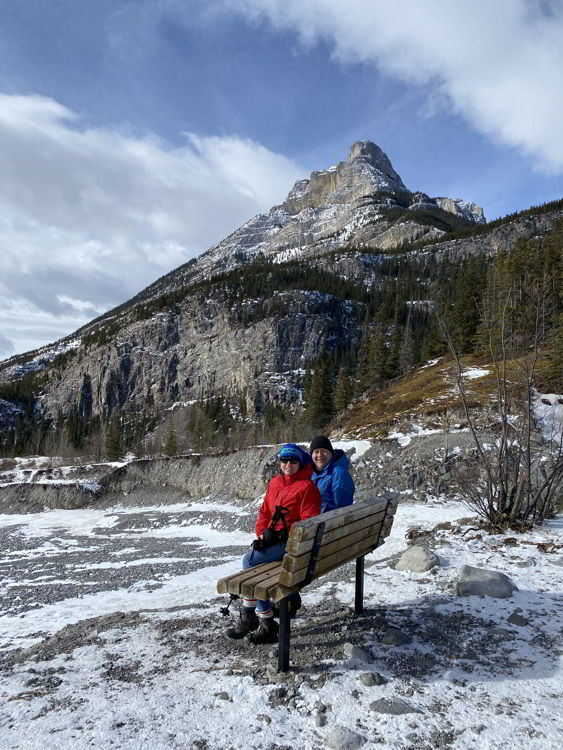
321	441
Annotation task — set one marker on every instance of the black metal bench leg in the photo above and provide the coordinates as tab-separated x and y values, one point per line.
283	648
359	604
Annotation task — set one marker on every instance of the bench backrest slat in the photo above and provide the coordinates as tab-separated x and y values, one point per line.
335	518
351	534
299	548
359	549
277	592
371	525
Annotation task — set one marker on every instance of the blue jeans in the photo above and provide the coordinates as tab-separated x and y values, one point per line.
253	557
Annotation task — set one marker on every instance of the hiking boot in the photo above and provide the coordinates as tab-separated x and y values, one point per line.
248	621
267	632
293	605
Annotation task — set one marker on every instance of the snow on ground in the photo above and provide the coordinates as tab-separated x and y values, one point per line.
132	655
358	446
47	470
473	373
404	438
548	410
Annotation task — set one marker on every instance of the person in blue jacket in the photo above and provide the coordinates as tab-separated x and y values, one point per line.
331	475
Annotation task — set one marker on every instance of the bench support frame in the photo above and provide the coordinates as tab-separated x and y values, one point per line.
359	598
314	555
285	626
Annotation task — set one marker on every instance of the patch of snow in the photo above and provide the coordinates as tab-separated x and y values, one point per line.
404	438
472	373
188	588
204	534
548	411
358	446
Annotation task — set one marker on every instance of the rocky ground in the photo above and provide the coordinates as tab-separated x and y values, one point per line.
112	637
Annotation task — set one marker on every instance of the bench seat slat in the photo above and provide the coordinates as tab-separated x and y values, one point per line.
231	584
262	589
335	518
248	587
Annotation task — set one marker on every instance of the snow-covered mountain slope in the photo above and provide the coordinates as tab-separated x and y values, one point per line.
345	204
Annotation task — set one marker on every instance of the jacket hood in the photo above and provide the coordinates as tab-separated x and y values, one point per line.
340	458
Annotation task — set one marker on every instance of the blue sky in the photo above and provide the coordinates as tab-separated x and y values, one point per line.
135	134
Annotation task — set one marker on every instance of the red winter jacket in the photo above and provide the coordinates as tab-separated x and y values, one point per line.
296	492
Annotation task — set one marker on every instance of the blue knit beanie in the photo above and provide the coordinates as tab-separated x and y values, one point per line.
290	450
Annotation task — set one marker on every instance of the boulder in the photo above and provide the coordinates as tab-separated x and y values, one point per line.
369	679
483	582
393	707
517	619
341	738
417	559
395	637
355	652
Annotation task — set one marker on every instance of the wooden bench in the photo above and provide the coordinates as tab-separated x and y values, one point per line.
315	547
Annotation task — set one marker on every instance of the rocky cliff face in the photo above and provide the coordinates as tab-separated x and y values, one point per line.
202	347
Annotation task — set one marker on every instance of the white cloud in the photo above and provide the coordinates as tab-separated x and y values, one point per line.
92	215
6	346
498	64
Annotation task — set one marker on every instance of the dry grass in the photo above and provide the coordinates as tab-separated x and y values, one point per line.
426	396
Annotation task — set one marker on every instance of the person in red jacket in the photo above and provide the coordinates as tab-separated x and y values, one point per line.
291	496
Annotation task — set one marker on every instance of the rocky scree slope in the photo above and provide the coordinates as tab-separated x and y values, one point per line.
418	470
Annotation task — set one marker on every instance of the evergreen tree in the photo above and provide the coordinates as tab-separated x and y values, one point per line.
523	292
406	352
468	291
343	390
371	359
555	355
391	368
75	428
113	439
171	444
319	405
432	343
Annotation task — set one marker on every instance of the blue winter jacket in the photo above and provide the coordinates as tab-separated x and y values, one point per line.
335	483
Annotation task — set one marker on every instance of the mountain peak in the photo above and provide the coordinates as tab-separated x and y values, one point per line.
366	171
369	149
370	152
